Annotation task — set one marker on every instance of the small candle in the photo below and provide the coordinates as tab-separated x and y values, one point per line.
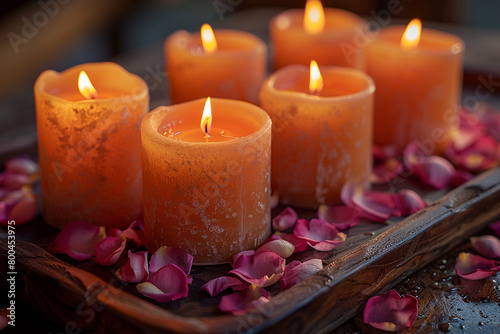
207	185
322	133
418	86
89	144
297	36
228	64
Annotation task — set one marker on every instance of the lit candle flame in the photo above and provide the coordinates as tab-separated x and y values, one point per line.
315	79
208	38
206	119
85	86
314	17
411	36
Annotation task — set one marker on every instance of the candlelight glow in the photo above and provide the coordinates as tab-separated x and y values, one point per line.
411	36
85	86
314	17
206	118
315	79
208	38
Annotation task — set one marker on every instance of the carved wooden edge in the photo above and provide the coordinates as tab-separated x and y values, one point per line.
323	301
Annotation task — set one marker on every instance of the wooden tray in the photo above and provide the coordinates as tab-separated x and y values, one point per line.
373	258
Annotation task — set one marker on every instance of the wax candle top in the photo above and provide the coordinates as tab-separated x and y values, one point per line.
432	41
338	82
229	43
228	122
110	81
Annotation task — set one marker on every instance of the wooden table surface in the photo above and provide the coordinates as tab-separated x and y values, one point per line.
447	303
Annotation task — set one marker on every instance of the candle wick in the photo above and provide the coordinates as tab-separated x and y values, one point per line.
227	136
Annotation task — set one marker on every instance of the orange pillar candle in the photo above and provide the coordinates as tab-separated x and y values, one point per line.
418	86
321	137
230	65
89	145
207	195
328	42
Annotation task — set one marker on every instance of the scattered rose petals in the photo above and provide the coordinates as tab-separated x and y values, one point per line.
410	201
480	155
296	272
340	216
241	302
136	268
386	171
319	234
275	244
18	205
215	286
475	267
390	312
109	250
167	255
262	269
78	240
286	219
495	226
134	232
486	245
376	205
22	165
166	284
298	243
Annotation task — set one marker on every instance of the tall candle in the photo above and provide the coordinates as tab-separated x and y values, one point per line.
418	87
234	68
292	43
320	139
89	147
207	195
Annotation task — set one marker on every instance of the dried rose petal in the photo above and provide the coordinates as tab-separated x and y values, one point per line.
340	216
435	171
18	205
13	181
386	171
109	250
319	234
275	244
262	269
460	177
376	205
382	153
168	283
495	226
296	272
390	312
482	154
134	232
411	202
215	286
166	255
347	193
78	240
241	302
22	165
286	219
298	243
475	267
136	268
486	245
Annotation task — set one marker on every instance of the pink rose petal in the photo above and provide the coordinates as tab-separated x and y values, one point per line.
281	247
382	153
13	181
136	268
4	322
460	177
168	283
495	226
386	171
109	250
319	234
262	269
482	154
286	219
215	286
475	267
18	205
298	243
22	165
134	232
390	312
241	302
411	202
296	272
340	216
166	255
78	240
274	200
376	205
347	193
486	245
